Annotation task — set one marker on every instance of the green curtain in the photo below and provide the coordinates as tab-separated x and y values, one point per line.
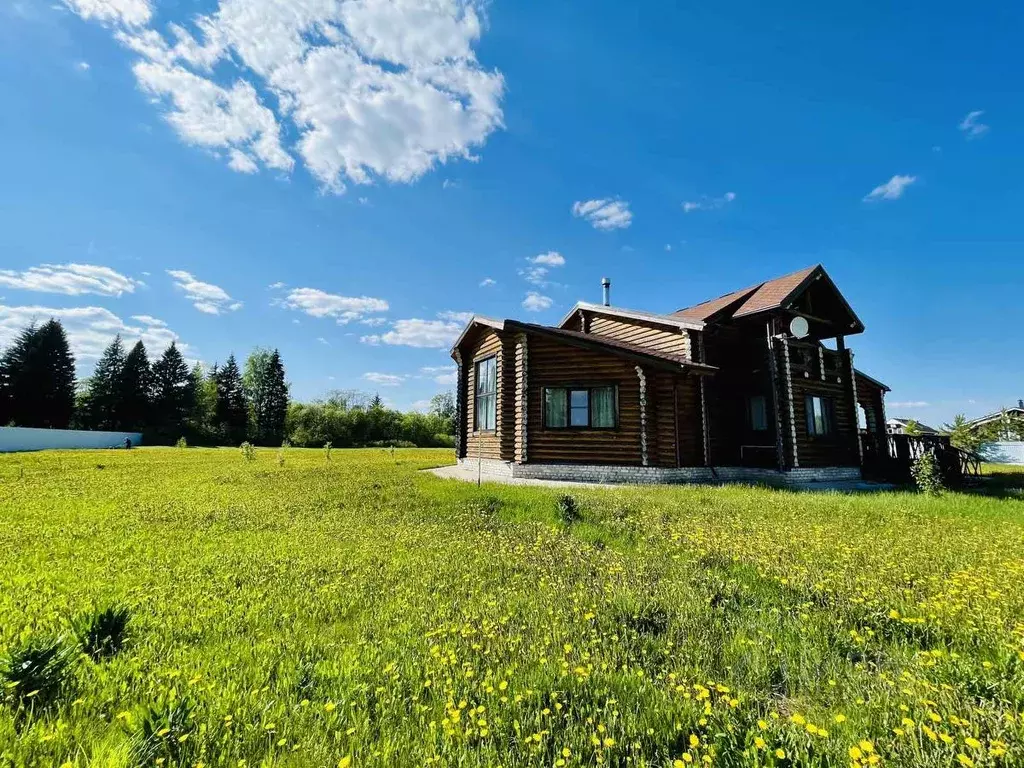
602	407
555	407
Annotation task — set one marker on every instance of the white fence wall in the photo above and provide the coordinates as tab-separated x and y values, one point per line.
1003	452
26	439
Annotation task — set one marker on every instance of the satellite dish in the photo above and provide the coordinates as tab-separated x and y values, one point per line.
798	327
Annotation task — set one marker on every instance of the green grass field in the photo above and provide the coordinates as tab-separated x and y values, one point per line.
357	612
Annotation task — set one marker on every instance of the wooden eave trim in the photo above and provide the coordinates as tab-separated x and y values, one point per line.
870	380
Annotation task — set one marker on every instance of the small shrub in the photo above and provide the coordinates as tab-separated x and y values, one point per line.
102	634
35	674
182	443
327	450
286	443
162	736
927	476
568	509
280	457
248	451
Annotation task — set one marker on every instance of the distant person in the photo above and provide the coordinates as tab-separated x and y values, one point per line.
127	443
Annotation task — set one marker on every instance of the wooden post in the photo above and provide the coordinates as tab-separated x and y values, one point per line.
780	451
675	417
643	415
460	407
521	403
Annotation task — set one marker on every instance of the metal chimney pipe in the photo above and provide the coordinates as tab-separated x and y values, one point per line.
606	286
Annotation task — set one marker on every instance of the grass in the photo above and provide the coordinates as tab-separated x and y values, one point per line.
357	612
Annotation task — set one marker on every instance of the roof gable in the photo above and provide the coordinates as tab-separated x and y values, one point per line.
778	293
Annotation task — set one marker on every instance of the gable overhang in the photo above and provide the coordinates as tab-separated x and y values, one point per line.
815	275
475	322
875	382
599	344
666	321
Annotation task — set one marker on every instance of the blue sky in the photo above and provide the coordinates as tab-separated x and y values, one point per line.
377	161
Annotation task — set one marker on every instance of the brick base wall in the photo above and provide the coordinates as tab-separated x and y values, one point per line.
585	473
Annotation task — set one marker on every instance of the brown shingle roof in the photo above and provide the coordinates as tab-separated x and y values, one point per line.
758	298
612	345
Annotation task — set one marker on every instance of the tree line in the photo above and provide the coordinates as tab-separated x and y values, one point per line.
168	401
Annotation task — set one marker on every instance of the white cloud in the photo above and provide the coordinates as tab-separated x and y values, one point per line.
891	190
207	115
344	309
487	282
536	302
91	329
908	404
604	214
458	317
549	259
426	334
708	203
373	322
206	297
971	126
444	375
374	89
82	66
70	279
383	379
130	13
275	286
323	341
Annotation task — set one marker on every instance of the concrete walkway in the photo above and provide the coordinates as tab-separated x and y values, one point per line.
469	475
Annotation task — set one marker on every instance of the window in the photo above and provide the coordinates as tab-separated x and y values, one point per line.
486	393
580	407
819	415
757	413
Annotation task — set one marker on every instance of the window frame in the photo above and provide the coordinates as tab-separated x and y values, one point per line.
828	411
477	394
589	389
750	413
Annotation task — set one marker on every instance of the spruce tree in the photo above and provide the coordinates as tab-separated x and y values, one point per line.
136	390
173	394
267	393
37	379
232	411
105	388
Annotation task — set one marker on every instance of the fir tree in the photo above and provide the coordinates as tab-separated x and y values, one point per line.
37	379
105	388
173	393
232	411
267	393
136	390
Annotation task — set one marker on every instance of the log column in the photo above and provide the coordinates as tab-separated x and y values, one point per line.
643	415
521	402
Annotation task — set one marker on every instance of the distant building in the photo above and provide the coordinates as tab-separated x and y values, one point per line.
1003	415
899	427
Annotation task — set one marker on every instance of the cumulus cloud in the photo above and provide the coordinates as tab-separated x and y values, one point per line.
70	279
909	404
971	126
129	13
549	259
415	332
373	89
536	302
487	282
344	309
892	189
604	214
708	203
91	329
206	297
384	379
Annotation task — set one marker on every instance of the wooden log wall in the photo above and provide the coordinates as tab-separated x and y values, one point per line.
559	365
486	445
674	341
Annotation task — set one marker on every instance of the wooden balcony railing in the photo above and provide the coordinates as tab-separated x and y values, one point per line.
891	457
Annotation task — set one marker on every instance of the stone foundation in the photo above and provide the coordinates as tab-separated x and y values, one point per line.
596	473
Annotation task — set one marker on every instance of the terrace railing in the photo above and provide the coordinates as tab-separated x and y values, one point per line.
891	457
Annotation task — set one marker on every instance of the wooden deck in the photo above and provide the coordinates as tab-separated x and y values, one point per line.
890	458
